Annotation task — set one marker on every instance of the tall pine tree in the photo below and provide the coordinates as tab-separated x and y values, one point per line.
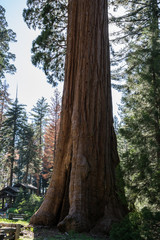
141	99
6	36
27	151
15	120
39	114
51	137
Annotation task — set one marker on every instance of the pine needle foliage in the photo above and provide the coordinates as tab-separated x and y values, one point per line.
48	49
6	36
140	109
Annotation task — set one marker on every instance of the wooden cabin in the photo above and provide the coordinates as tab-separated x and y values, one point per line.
9	194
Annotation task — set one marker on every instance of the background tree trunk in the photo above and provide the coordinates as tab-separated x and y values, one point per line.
82	192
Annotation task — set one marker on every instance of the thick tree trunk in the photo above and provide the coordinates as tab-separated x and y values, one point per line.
82	193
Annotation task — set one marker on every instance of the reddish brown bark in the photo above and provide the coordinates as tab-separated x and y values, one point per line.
82	193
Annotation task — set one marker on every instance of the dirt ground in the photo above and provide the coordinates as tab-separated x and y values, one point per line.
39	232
45	233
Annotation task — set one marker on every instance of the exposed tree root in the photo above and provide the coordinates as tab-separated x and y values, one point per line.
73	222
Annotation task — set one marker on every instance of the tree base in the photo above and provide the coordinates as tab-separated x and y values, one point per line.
42	219
75	223
103	226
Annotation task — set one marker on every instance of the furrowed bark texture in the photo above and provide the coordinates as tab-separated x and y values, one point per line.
82	193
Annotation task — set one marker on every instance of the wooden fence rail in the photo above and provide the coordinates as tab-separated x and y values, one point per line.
10	231
16	216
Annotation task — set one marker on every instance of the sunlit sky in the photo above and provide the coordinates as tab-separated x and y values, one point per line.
31	81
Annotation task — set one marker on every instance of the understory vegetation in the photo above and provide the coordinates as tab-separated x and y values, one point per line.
26	204
27	151
142	225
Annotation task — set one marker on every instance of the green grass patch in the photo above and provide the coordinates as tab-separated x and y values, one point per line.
22	222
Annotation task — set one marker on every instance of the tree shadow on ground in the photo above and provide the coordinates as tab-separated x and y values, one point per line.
46	233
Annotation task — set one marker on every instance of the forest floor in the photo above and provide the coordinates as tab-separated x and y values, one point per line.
45	233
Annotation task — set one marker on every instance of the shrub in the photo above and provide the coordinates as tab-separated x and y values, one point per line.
127	229
28	204
143	225
150	224
12	210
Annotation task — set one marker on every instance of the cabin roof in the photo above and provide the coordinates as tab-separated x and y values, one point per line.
25	186
9	191
12	191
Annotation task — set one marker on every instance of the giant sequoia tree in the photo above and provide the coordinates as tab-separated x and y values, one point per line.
49	47
82	193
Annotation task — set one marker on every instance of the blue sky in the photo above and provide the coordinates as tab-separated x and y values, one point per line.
31	81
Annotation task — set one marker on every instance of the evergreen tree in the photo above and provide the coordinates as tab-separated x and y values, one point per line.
51	137
6	36
55	111
39	114
4	101
27	151
82	194
49	47
4	168
48	161
15	120
140	125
